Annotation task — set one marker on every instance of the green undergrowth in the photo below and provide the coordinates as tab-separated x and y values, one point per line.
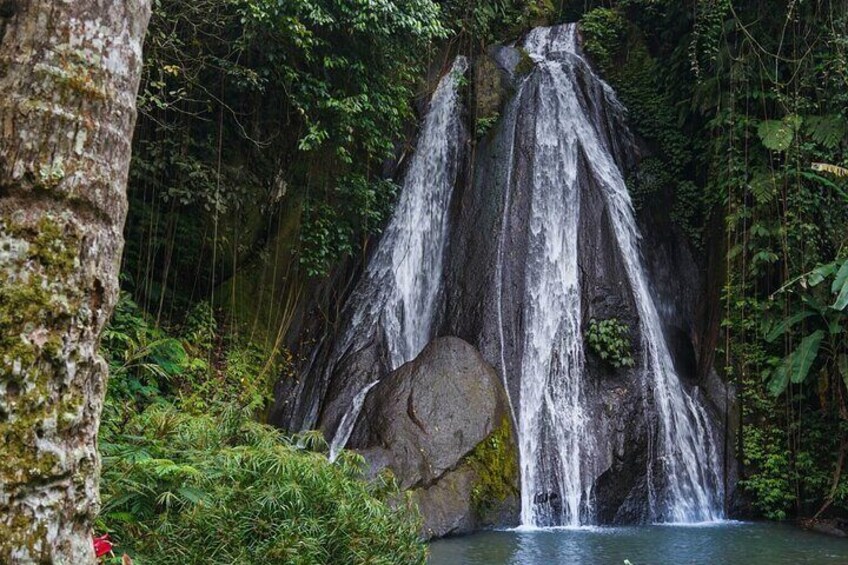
191	475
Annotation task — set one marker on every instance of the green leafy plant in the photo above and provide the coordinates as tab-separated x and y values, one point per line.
486	123
778	135
610	340
190	476
221	488
604	29
826	322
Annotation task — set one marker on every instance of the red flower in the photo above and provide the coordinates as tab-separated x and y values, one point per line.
102	545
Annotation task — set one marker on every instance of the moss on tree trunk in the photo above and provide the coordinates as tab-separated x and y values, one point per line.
69	73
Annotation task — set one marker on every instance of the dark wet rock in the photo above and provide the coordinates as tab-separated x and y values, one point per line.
354	371
830	526
491	87
430	422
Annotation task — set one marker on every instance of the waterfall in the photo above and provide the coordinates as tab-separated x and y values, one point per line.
399	294
543	239
348	420
553	442
577	138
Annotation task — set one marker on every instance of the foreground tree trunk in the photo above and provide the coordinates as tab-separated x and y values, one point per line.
69	73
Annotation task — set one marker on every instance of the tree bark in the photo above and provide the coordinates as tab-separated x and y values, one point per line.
69	74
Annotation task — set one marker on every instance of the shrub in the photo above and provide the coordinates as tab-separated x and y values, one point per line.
610	340
190	477
221	488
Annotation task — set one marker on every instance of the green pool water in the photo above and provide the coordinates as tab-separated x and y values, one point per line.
742	543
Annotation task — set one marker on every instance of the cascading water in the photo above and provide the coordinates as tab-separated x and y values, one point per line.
544	239
348	420
399	292
575	122
554	445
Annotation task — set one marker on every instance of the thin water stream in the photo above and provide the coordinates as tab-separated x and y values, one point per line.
399	294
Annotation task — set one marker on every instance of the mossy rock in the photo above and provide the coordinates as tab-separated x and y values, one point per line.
442	424
525	63
495	464
490	87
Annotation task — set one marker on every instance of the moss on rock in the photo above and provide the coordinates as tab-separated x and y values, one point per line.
525	63
495	462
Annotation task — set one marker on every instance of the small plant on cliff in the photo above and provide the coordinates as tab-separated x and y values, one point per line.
610	340
486	123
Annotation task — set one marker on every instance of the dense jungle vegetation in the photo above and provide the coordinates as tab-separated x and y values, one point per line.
266	161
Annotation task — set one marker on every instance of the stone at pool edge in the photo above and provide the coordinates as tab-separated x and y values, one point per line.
429	422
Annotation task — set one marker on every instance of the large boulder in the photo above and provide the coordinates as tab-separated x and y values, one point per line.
441	424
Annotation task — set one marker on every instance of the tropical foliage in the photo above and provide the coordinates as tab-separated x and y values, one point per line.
610	340
743	104
191	476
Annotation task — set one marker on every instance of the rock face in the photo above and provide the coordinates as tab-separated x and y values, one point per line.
441	424
490	87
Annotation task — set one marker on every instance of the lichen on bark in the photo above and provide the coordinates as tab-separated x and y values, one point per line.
69	74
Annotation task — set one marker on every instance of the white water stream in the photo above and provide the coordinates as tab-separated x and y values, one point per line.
400	290
572	147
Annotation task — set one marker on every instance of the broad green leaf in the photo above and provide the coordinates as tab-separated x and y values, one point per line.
779	380
778	135
841	278
787	323
802	358
842	298
842	365
840	285
820	273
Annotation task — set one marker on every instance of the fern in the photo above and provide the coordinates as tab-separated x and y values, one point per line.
221	488
763	187
828	131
